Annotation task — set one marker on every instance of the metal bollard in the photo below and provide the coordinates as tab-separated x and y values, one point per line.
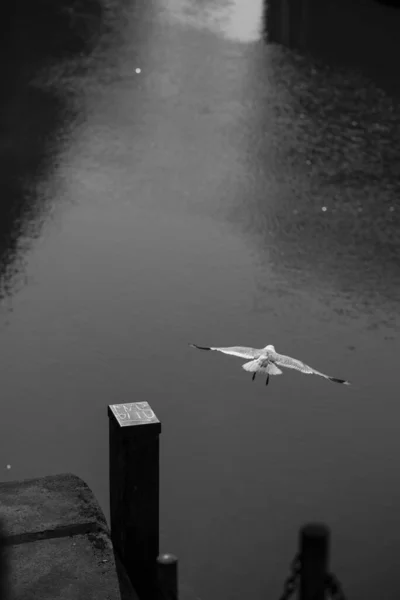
167	577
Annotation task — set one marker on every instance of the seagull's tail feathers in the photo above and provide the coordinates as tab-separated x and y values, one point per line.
253	366
273	370
261	366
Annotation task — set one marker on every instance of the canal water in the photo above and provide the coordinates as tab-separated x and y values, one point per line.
170	173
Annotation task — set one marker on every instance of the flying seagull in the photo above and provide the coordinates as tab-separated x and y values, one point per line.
267	360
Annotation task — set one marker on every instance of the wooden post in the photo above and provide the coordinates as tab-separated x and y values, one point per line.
167	567
134	432
4	576
314	552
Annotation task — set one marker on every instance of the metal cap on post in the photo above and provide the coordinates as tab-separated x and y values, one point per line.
134	492
167	577
314	552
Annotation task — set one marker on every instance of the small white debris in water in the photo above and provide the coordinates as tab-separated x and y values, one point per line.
324	208
391	208
8	467
138	70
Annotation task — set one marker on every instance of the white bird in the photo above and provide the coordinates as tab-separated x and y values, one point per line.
267	360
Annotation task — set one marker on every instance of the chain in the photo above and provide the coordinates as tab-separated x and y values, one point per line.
292	579
334	587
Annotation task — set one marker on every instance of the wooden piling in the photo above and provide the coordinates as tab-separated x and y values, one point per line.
134	432
314	552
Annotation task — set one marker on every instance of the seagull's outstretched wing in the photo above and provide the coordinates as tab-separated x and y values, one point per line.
240	351
292	363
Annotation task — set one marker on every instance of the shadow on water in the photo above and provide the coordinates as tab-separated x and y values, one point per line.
35	116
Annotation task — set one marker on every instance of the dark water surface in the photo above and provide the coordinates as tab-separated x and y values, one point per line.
231	192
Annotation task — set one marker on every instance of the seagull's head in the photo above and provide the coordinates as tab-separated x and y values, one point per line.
270	347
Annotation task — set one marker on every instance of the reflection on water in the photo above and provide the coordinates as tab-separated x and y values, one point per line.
29	119
326	209
360	35
325	201
238	20
34	119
